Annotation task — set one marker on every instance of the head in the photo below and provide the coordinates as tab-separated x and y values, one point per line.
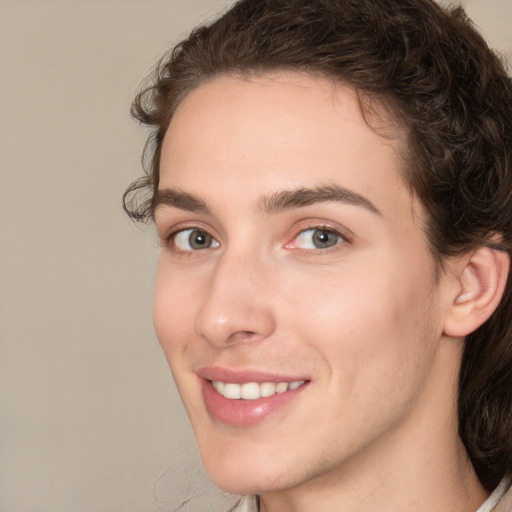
424	80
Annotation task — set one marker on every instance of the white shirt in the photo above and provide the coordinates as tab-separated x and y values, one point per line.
501	498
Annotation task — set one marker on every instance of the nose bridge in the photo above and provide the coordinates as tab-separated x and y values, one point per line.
236	306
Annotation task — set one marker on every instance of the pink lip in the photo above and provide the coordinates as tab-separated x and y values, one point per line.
244	413
242	376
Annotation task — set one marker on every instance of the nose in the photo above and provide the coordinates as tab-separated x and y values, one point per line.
236	306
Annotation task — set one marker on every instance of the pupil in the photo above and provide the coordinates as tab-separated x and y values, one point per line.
198	239
324	239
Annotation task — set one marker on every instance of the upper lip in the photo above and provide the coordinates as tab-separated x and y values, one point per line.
238	376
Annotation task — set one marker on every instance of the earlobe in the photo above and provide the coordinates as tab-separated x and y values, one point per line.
480	286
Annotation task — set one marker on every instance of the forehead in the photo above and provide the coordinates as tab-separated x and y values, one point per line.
280	131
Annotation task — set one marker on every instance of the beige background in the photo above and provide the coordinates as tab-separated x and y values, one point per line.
89	417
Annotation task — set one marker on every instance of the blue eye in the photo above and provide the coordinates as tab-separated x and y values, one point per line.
317	239
194	240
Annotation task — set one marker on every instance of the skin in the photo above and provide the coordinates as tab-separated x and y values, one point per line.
363	319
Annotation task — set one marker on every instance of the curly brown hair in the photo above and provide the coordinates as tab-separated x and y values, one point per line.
451	93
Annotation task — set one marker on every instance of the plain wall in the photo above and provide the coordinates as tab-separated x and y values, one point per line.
89	417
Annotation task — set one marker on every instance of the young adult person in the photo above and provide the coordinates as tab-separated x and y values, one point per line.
332	187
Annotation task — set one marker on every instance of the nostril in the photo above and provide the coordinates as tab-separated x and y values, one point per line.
243	336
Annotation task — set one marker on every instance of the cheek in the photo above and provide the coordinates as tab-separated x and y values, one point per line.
173	311
371	335
343	302
371	316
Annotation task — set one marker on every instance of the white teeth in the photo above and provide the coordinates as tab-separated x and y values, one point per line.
219	386
253	390
267	389
250	391
282	387
232	391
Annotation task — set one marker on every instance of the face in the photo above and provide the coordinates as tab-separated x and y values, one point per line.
295	296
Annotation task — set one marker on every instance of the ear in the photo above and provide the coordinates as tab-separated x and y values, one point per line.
481	280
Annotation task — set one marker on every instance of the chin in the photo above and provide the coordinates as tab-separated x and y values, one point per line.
252	474
247	481
248	484
242	476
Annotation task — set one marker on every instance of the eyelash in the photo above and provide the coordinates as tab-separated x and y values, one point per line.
322	228
170	238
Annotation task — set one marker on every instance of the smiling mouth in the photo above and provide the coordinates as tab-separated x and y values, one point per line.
254	390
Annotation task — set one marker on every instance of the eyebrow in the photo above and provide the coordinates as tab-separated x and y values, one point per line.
306	196
276	202
178	199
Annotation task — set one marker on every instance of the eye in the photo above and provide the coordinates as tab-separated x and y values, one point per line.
193	240
317	239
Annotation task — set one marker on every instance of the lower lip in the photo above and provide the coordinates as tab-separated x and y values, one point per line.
244	413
